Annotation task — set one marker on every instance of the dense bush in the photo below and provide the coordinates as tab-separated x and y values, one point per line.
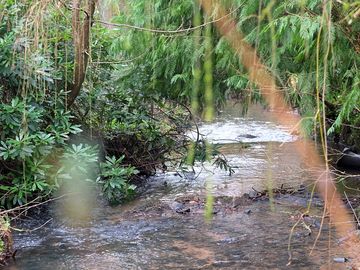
136	79
32	140
38	129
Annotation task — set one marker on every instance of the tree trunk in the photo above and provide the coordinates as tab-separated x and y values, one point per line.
81	40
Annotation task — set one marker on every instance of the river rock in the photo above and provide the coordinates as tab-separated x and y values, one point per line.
253	194
179	208
183	210
247	136
247	211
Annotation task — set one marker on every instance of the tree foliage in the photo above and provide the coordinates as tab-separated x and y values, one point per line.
305	53
127	80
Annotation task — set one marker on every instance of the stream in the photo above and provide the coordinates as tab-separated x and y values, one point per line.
165	228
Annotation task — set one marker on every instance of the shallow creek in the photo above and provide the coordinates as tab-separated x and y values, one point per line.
152	233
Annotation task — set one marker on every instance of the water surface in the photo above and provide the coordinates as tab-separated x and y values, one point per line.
255	236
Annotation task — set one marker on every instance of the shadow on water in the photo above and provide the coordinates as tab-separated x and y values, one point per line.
150	233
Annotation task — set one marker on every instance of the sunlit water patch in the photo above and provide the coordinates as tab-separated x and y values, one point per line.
245	130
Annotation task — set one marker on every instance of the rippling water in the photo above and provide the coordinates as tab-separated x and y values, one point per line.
244	130
255	237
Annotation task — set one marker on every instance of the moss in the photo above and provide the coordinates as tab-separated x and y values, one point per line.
6	243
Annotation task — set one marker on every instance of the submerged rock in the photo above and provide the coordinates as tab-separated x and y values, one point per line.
183	210
247	211
247	136
179	208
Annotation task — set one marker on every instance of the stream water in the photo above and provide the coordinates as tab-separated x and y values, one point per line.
150	232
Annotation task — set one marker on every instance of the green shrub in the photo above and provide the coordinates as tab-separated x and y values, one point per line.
32	141
115	179
6	243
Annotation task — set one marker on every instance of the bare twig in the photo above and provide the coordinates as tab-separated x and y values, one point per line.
31	204
32	230
352	209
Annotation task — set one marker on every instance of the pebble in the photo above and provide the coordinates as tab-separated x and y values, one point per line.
248	211
253	194
340	259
